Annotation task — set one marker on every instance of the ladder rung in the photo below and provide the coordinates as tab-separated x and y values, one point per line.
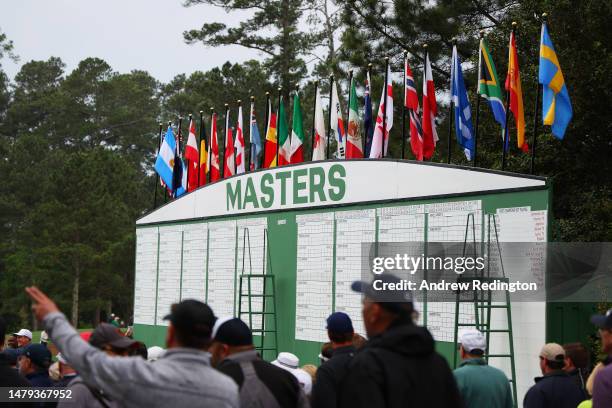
263	331
497	331
498	355
256	313
257	295
493	306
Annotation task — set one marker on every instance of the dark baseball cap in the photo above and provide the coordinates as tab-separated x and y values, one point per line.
603	321
108	334
340	323
192	316
38	353
233	332
387	290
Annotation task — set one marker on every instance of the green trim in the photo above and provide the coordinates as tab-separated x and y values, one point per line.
235	265
181	278
334	267
207	258
156	280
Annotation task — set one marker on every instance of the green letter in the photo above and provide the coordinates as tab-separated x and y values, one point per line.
233	196
336	180
317	182
266	190
298	186
249	194
283	176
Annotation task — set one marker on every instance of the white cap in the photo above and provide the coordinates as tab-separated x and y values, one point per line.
472	339
154	353
290	362
24	333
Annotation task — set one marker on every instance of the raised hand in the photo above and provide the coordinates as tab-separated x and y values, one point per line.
42	305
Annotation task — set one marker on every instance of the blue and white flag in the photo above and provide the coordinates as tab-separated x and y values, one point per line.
256	147
463	112
164	164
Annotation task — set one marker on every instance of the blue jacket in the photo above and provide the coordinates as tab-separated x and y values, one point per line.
556	389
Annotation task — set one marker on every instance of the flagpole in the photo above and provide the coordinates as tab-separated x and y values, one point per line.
202	136
314	115
247	160
365	136
331	84
507	109
189	164
156	173
280	90
209	138
404	109
225	125
535	114
481	34
166	189
384	124
178	153
348	110
450	111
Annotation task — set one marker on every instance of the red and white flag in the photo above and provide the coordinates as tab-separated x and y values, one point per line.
229	165
380	140
192	157
239	144
320	141
411	102
212	163
430	110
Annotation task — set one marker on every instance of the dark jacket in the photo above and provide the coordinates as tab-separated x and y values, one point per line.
555	390
9	377
400	368
40	379
326	388
282	384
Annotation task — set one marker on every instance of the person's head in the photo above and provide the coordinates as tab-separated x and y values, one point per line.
340	329
472	344
604	323
326	352
290	362
24	337
139	349
229	336
191	324
34	358
359	341
11	342
382	307
576	356
154	353
2	332
552	358
64	367
108	338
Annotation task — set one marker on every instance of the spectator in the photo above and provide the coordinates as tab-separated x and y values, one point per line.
9	377
326	352
261	383
24	337
34	361
44	338
66	372
577	362
602	384
155	353
115	322
111	318
326	390
138	349
555	389
480	385
399	365
311	369
186	363
290	362
11	342
359	341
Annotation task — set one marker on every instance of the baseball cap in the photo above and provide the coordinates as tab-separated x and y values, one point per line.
473	341
233	332
382	290
192	316
339	322
552	352
108	334
38	353
603	321
154	353
24	333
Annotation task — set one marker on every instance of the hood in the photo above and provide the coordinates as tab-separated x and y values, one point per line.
405	338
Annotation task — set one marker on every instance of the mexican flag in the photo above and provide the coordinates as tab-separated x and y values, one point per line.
354	144
284	150
297	133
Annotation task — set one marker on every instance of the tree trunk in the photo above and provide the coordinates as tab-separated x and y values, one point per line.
97	315
75	295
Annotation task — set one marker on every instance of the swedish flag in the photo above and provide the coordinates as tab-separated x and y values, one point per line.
556	104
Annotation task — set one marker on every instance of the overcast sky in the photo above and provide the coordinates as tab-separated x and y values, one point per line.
127	34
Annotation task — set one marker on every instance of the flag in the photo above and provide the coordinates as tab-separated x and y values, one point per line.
320	140
203	157
513	85
239	144
463	113
337	124
164	163
411	102
297	133
255	140
284	149
229	157
430	110
354	144
376	151
179	172
556	104
270	146
212	164
368	128
192	157
489	86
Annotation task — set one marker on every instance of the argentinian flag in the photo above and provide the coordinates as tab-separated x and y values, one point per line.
164	164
